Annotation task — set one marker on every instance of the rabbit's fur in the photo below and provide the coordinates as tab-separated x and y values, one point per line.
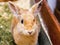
25	24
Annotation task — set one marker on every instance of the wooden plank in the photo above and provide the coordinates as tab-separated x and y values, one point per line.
51	22
57	14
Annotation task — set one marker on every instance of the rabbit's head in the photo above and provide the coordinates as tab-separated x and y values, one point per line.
27	21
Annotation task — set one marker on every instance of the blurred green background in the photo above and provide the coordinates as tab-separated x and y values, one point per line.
5	24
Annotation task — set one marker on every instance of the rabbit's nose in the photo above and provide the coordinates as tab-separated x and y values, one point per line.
30	32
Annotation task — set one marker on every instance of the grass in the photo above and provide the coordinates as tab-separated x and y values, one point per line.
5	24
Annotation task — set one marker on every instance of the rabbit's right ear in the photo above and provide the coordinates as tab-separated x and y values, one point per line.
13	8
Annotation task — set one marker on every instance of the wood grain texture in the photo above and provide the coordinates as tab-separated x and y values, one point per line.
57	14
51	22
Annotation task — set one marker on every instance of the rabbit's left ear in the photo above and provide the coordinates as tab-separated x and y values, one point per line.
36	7
13	8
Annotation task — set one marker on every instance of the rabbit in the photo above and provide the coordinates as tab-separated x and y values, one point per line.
25	26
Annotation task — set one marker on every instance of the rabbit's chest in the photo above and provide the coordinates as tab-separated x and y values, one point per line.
21	39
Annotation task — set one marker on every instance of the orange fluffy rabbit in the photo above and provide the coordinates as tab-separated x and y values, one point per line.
25	24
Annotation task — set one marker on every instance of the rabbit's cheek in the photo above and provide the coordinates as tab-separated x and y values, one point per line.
20	28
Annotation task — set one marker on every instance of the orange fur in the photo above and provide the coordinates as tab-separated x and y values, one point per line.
21	39
25	33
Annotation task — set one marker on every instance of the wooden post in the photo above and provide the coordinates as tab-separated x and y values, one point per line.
51	23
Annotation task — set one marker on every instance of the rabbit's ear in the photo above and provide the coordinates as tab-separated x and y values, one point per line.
13	8
36	7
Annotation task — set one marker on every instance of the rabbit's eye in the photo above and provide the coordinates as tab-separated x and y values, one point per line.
33	20
22	21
